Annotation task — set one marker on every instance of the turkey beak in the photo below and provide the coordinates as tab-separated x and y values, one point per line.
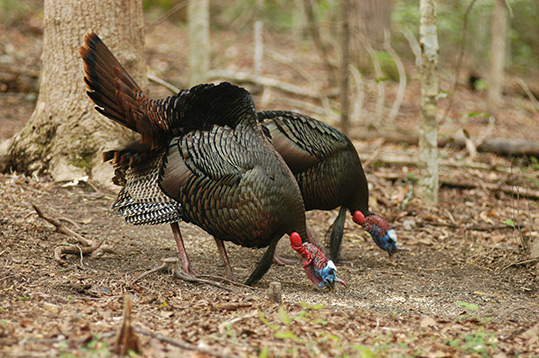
395	250
331	284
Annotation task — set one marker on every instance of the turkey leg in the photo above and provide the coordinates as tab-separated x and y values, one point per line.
337	230
181	248
222	252
264	264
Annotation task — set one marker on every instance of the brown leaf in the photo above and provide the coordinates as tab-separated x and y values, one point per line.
427	322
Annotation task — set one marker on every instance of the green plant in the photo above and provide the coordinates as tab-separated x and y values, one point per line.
480	342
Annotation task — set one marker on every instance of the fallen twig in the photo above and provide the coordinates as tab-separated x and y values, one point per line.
229	306
94	251
87	246
167	85
63	229
523	192
234	320
471	227
181	344
523	262
159	268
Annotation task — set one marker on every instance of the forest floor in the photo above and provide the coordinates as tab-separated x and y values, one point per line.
464	286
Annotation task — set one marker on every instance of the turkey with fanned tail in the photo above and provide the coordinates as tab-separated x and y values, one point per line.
206	153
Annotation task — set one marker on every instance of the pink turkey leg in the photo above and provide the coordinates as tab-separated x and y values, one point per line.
222	252
181	248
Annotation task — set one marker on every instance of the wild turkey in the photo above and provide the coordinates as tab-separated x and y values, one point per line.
205	151
329	173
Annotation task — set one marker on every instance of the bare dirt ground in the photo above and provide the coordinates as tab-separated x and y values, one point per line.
464	286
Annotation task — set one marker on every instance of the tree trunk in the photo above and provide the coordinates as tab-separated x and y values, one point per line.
65	135
345	60
428	148
374	20
497	55
198	13
314	31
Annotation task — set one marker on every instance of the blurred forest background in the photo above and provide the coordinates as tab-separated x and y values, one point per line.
304	36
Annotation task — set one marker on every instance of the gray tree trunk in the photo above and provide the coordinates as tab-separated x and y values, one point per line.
65	135
198	13
373	20
428	129
345	60
497	56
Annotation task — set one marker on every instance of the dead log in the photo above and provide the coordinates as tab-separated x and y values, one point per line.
501	146
508	189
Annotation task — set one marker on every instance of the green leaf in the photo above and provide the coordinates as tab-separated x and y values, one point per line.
470	306
509	222
319	320
288	334
364	352
316	306
265	321
264	353
284	316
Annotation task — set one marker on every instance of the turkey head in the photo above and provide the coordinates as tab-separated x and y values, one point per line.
321	271
382	234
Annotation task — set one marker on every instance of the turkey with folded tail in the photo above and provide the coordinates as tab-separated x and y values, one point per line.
329	173
205	151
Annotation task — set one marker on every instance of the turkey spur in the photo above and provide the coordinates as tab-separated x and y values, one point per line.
329	173
204	151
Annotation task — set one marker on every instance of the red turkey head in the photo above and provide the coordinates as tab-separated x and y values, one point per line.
381	232
321	271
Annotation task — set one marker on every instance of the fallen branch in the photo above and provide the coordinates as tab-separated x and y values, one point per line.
523	262
234	320
502	146
523	192
241	77
167	85
88	247
182	344
63	229
471	227
229	306
529	93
